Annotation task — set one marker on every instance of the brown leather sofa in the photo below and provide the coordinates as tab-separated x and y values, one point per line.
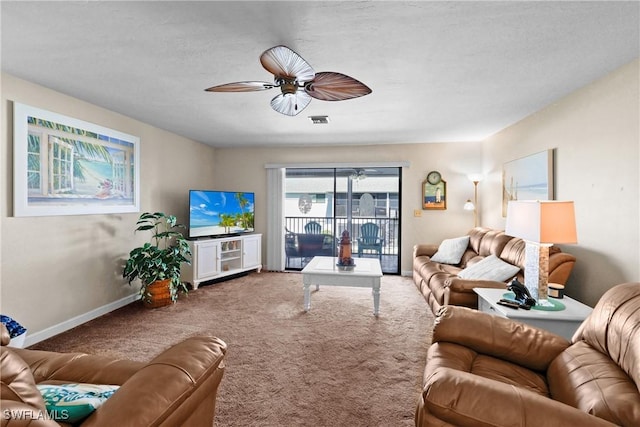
178	387
440	285
485	370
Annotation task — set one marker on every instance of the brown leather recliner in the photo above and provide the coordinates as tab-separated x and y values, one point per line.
178	387
440	285
485	370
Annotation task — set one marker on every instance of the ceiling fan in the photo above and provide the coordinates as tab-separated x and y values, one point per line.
298	82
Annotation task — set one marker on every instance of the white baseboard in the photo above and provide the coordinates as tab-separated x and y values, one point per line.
406	273
78	320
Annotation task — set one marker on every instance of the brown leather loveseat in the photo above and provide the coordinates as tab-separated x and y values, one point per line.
439	282
176	388
486	370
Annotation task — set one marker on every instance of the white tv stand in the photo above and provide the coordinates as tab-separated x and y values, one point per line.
215	258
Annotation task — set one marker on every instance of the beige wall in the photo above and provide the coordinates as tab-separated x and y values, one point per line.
243	169
595	134
55	268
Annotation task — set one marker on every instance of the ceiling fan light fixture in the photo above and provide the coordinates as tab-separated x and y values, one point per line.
291	73
358	174
319	120
288	87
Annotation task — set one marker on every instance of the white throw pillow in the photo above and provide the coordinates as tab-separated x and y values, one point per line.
450	251
490	268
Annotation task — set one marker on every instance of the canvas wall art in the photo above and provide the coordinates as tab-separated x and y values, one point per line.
528	178
66	166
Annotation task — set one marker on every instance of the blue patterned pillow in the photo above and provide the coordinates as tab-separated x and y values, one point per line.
13	327
70	403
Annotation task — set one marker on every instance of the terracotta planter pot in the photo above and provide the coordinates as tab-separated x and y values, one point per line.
159	294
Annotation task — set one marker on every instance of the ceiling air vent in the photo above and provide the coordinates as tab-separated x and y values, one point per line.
319	120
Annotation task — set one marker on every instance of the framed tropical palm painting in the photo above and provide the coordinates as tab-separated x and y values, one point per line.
65	166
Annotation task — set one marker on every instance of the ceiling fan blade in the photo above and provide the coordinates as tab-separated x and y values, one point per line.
241	87
290	104
283	62
329	86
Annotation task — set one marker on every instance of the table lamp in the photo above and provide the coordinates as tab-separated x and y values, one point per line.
540	224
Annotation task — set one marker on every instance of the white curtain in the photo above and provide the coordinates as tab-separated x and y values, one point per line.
275	219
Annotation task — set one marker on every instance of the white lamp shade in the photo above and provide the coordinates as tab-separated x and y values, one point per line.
546	222
469	206
475	177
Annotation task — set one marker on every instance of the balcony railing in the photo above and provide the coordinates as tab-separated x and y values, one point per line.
388	229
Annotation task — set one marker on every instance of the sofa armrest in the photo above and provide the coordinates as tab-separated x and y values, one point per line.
154	392
498	337
458	284
425	250
464	399
560	267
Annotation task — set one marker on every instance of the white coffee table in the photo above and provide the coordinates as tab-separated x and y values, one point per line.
323	270
564	322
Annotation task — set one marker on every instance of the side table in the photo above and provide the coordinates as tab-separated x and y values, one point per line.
564	322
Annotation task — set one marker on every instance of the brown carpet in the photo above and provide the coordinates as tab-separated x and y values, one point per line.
336	365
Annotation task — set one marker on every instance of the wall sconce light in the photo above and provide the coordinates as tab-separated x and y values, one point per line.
473	206
540	224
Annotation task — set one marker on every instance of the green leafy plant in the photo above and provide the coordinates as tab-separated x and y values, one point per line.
161	257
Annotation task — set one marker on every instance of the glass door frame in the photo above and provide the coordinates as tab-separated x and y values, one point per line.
386	211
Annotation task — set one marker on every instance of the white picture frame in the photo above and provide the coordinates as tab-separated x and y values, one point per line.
66	166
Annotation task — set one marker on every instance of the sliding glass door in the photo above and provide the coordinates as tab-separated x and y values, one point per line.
321	203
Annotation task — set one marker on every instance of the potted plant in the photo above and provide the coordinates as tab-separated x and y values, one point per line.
157	263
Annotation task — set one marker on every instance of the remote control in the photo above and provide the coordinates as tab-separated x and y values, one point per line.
509	304
520	304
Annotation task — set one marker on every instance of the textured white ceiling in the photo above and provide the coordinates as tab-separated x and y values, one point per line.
439	71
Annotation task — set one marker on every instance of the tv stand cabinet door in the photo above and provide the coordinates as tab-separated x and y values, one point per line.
206	260
252	251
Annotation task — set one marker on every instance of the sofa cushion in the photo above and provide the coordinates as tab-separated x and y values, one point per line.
461	358
493	242
450	251
490	268
514	252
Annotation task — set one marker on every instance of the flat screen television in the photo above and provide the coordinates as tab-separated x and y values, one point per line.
220	213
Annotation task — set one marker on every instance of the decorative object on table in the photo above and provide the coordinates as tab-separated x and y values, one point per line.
298	82
344	256
157	263
434	190
89	169
522	295
556	290
528	178
17	332
473	206
540	224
